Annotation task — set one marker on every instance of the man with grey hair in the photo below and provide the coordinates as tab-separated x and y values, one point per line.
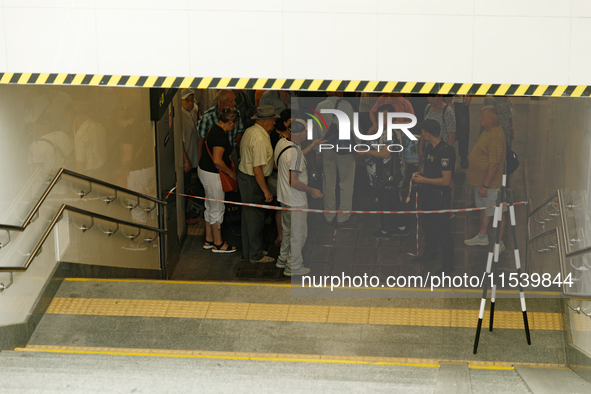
255	165
189	124
486	171
226	99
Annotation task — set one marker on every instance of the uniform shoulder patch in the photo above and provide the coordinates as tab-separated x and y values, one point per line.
444	162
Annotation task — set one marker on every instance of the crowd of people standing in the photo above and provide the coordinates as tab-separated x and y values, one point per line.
259	142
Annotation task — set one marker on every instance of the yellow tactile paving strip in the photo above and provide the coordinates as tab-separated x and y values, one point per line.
300	313
402	361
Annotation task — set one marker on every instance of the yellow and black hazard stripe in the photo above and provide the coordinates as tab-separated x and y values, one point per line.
298	84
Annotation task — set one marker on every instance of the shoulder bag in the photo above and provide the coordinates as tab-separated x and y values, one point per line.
228	184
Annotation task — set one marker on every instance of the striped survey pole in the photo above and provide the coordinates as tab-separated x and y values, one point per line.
518	264
417	214
417	209
505	197
493	251
498	217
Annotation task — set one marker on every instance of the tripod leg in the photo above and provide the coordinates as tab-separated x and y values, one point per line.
484	292
482	303
496	234
518	265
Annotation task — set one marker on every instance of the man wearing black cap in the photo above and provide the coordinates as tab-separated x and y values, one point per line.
435	194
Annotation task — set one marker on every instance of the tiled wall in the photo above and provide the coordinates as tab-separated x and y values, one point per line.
506	41
558	146
559	157
105	133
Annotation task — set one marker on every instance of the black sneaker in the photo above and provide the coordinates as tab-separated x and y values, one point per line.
400	233
445	269
464	162
379	234
423	259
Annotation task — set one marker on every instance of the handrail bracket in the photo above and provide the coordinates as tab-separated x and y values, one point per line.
3	244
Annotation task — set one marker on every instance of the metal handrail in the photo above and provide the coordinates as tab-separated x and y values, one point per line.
578	253
579	310
562	246
561	208
91	180
37	249
543	204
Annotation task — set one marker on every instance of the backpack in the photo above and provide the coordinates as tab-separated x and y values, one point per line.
390	173
512	161
332	137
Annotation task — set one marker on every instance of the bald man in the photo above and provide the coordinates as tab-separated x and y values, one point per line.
226	99
486	171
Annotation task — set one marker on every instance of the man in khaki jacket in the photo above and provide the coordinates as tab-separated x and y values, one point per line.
486	171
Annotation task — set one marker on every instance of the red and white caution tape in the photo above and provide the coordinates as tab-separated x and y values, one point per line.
416	207
273	207
409	192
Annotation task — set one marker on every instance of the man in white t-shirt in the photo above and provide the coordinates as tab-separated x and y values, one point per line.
292	186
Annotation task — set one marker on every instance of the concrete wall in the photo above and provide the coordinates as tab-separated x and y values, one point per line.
558	157
105	133
503	41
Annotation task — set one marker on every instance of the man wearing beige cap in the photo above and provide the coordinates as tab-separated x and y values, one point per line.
256	163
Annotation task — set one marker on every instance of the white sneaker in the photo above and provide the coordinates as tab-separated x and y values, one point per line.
300	271
501	247
476	241
280	264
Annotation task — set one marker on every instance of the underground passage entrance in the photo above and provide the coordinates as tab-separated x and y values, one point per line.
365	298
352	249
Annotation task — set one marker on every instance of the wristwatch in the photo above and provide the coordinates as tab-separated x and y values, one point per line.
486	187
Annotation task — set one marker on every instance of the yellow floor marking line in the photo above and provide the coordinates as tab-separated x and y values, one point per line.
309	358
420	317
259	284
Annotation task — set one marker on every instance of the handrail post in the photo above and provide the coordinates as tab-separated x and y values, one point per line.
34	214
3	244
3	286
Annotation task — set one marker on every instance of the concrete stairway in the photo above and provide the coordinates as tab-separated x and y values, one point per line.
25	372
152	336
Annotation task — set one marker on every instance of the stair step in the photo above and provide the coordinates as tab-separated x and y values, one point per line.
82	373
453	368
551	381
453	379
267	319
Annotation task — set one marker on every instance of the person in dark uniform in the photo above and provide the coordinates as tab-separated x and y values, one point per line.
435	193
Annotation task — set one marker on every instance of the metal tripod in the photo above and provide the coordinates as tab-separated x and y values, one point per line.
505	197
